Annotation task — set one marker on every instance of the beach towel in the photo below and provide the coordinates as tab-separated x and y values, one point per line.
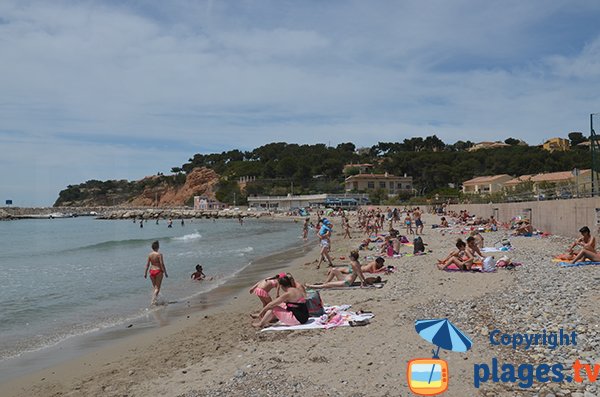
341	319
577	264
495	249
454	268
355	285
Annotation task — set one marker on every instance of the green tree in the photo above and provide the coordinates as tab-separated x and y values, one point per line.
576	138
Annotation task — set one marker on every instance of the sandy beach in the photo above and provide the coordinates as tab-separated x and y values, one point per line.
216	352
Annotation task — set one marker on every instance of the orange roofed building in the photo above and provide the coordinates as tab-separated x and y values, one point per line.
486	184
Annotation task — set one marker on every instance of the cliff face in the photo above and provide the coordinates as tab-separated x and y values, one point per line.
199	182
169	191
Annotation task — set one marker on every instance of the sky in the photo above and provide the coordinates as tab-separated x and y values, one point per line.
121	89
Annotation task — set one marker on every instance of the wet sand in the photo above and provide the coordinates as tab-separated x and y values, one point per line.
216	352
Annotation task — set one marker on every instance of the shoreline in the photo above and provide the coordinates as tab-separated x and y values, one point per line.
217	352
75	345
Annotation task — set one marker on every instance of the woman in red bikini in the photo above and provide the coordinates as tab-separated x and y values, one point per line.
156	264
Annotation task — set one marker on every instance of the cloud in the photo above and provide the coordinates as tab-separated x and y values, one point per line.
125	79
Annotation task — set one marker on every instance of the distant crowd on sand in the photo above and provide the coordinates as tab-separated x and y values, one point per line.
292	299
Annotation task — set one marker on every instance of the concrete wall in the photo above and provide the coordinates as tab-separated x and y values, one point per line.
561	217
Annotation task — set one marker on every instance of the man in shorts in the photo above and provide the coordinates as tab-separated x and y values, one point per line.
325	242
418	221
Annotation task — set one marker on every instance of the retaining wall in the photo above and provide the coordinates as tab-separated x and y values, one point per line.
561	217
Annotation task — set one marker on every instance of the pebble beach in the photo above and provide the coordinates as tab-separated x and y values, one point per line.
217	353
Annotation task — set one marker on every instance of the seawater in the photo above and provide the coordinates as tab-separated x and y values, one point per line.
65	277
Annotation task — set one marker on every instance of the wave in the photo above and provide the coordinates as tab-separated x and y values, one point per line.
188	237
115	244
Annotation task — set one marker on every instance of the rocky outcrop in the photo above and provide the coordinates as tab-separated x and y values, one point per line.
199	182
153	191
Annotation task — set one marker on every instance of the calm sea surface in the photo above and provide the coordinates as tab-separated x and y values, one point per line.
67	277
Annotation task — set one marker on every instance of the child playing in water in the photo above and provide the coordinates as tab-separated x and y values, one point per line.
198	275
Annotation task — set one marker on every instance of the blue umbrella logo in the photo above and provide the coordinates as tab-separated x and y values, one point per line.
445	335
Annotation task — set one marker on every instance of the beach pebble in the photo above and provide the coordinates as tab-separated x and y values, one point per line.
131	372
239	374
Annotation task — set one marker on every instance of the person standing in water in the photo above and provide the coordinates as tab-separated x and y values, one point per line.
156	265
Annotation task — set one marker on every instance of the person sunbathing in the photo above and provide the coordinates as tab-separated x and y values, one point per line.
343	279
524	229
478	238
459	257
585	255
375	266
586	241
474	250
444	222
289	308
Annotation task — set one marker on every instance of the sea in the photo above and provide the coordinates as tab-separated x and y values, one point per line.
62	278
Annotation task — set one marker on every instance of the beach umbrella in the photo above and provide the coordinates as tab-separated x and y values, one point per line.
443	334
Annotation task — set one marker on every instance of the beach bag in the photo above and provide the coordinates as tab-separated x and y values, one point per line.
505	242
418	245
489	265
314	303
404	240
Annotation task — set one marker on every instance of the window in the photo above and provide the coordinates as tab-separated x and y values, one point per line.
382	185
399	185
371	185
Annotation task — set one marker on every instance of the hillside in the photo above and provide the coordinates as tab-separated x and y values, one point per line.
280	168
164	191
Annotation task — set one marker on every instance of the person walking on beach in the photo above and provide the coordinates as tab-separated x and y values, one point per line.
324	236
305	228
418	222
408	224
156	265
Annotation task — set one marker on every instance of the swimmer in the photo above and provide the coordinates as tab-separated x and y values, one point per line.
198	275
156	265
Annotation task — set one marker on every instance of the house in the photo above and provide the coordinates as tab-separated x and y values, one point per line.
487	145
568	180
391	183
486	184
513	183
203	203
560	144
362	168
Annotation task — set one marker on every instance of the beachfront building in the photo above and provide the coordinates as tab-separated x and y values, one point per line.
203	203
564	182
290	202
560	144
486	184
514	183
392	184
487	145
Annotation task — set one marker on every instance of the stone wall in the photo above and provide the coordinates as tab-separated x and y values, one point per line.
561	217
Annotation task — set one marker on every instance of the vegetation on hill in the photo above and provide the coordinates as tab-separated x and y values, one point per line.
435	166
281	168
